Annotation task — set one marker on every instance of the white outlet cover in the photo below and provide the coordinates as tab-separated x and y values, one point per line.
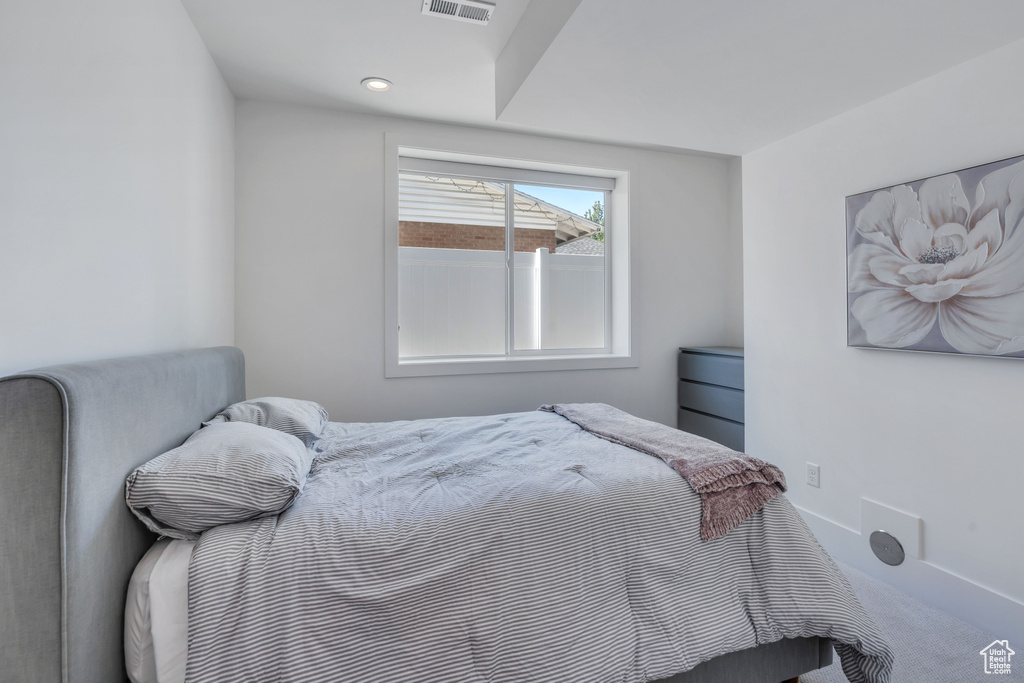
875	516
813	475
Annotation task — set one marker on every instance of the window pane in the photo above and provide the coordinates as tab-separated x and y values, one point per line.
559	268
451	266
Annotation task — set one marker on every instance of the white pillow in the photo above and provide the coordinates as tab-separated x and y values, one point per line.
303	419
222	474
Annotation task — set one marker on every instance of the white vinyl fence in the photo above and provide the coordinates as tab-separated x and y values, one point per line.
452	301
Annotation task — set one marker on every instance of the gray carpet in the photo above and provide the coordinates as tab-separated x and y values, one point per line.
930	646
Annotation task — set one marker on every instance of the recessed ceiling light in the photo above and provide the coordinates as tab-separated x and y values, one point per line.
376	84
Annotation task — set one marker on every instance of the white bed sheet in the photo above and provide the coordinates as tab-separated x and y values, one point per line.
156	614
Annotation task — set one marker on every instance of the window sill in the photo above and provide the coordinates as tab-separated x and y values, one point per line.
479	366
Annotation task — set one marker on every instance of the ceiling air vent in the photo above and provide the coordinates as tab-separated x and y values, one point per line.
473	11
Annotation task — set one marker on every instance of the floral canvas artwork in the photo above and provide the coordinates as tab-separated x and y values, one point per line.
938	264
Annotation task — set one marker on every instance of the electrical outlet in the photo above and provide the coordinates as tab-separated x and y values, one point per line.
813	475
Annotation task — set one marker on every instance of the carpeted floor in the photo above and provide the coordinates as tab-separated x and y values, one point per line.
930	646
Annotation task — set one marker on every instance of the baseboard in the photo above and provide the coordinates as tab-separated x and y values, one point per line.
998	614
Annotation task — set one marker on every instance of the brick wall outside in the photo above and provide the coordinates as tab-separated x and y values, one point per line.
532	239
483	237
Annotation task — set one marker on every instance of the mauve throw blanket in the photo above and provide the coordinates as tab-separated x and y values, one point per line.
732	486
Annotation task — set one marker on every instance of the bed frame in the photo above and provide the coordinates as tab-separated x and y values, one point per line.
69	435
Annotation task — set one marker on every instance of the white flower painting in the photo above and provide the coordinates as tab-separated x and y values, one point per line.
938	265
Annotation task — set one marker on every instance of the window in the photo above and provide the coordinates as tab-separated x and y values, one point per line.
498	268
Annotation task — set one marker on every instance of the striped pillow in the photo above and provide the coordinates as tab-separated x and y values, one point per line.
303	419
222	474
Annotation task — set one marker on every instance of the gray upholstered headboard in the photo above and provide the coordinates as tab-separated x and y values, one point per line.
69	435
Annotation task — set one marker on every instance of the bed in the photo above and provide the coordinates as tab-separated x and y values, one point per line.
68	437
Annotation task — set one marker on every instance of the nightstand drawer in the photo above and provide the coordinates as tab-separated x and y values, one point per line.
711	399
729	434
723	370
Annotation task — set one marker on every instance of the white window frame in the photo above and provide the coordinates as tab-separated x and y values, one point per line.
497	162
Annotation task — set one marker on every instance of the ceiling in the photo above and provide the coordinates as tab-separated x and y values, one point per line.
724	77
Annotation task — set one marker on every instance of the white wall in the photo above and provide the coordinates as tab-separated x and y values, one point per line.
734	264
310	285
116	183
939	436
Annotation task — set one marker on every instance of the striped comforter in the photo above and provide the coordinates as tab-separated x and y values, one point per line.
505	548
